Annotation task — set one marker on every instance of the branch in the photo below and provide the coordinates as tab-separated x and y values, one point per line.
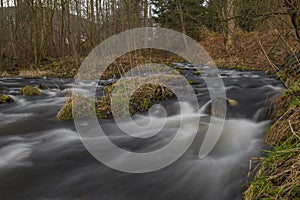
294	133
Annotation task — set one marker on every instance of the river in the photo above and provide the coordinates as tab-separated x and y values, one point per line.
42	158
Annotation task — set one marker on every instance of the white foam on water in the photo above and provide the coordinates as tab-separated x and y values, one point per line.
6	118
275	88
15	155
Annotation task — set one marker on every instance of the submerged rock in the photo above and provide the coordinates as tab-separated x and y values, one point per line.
43	87
6	99
197	72
222	106
30	91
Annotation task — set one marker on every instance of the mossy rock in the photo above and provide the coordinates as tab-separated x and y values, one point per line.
197	72
6	99
219	111
30	91
141	101
102	108
193	82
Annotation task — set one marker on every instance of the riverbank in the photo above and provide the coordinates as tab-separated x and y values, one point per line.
247	53
277	175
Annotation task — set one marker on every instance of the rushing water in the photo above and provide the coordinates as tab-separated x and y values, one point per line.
43	158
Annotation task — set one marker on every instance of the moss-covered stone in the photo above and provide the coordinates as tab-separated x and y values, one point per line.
30	91
6	99
140	101
193	82
219	109
197	72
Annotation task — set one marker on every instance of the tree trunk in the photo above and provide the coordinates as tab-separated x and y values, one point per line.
179	5
230	33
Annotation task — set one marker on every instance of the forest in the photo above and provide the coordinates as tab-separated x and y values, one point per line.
33	32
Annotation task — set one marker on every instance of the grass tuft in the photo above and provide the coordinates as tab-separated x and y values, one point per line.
141	100
6	99
30	91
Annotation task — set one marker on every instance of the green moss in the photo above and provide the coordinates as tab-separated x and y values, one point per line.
6	99
179	69
193	82
30	91
197	72
54	64
240	67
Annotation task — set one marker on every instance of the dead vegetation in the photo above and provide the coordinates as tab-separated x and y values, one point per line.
6	99
278	176
125	104
30	91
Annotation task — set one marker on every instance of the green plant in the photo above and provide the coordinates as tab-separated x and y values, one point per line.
294	103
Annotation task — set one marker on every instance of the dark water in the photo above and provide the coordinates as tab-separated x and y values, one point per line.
42	158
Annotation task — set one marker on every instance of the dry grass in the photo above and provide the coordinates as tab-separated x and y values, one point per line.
30	91
34	73
140	100
6	99
279	174
246	53
5	74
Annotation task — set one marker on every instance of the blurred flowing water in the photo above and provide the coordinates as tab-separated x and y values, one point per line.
43	158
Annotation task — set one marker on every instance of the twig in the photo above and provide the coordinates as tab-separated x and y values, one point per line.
276	69
289	46
251	164
271	63
293	131
279	174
